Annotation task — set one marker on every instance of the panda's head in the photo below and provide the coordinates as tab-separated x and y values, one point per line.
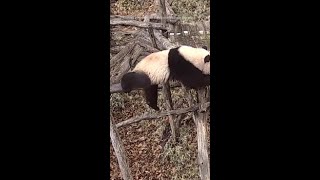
134	80
198	57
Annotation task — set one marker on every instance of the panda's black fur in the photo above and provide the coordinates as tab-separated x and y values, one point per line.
162	66
185	72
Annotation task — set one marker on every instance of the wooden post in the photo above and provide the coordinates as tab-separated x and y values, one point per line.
120	152
153	38
188	95
167	97
201	117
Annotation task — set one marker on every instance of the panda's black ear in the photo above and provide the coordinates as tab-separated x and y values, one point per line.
205	47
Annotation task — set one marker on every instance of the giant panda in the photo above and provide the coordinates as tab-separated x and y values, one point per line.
190	66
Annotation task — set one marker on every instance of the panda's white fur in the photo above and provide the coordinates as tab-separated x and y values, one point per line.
155	66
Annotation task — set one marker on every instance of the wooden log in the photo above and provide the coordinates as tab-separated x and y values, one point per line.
170	19
169	10
120	70
189	98
201	117
152	37
149	116
163	11
148	48
118	57
116	49
167	97
119	151
126	64
135	23
136	53
164	42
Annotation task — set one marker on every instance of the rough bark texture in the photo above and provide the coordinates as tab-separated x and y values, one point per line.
120	152
161	114
167	96
202	137
123	22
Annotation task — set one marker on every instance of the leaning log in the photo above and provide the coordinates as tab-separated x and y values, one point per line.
201	118
119	151
149	116
135	23
170	19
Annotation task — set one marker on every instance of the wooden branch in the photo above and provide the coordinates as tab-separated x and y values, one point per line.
116	88
136	53
144	41
120	70
117	58
117	49
135	23
126	64
161	114
170	2
163	11
202	138
170	19
165	43
189	98
167	97
120	152
153	39
148	48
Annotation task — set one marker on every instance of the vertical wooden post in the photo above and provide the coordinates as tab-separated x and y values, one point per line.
152	37
167	97
119	150
202	137
200	119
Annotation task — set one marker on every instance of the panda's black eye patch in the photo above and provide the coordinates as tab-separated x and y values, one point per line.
207	59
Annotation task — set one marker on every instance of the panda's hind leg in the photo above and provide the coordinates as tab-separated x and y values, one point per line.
134	80
151	94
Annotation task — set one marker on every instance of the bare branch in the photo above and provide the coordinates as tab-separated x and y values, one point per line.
170	19
153	39
136	53
148	48
163	11
161	114
202	138
137	24
122	54
119	151
166	44
116	49
170	2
